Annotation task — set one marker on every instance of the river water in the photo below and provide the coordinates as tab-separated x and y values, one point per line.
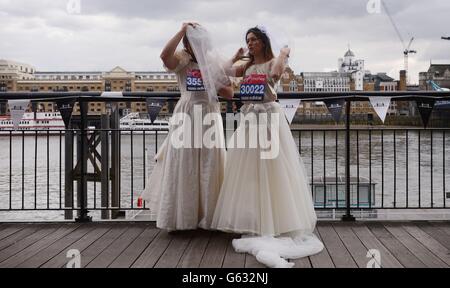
400	180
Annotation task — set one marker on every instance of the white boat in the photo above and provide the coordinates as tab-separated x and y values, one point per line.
42	122
138	124
52	123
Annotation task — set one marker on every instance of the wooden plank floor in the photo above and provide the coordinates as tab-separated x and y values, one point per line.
141	245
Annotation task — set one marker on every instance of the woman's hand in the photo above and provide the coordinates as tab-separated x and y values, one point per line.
279	65
187	24
239	55
285	51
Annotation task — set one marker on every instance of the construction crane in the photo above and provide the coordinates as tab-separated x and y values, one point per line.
407	49
406	57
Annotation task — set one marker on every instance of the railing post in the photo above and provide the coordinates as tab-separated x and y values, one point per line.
348	216
82	193
68	188
105	166
115	163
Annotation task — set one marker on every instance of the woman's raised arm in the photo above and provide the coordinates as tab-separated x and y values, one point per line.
168	53
279	65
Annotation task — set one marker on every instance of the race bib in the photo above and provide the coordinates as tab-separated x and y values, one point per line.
253	87
194	81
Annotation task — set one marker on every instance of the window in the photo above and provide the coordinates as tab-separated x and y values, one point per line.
293	86
108	86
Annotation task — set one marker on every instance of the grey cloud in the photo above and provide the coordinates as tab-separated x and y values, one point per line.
132	33
188	8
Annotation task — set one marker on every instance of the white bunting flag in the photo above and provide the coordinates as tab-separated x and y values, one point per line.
289	107
17	109
380	105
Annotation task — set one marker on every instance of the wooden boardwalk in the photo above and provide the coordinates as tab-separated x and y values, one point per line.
141	245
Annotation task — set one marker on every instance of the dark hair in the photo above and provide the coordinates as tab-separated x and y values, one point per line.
188	48
267	49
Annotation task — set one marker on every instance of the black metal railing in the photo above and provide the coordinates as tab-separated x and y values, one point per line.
350	168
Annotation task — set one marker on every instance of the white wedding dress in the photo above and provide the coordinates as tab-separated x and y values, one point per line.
267	200
183	188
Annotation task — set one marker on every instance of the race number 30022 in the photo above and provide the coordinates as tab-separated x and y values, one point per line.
253	87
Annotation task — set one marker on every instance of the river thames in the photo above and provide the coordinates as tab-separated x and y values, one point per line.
394	184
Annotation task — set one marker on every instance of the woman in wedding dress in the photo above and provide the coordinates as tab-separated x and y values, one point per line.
183	188
265	194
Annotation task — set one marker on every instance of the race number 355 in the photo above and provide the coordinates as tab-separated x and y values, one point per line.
194	81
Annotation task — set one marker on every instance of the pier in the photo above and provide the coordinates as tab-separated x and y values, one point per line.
78	188
141	245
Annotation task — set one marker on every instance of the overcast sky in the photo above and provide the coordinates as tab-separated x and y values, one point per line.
53	36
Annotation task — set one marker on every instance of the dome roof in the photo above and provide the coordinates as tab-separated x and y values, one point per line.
349	53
